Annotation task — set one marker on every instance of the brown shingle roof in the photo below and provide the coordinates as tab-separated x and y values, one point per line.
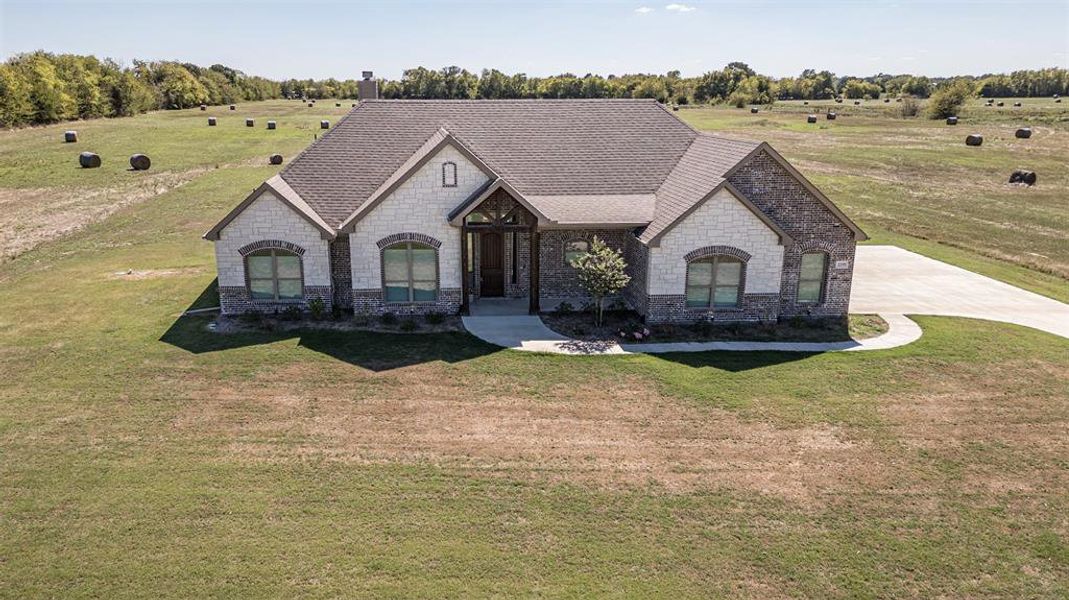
541	147
700	171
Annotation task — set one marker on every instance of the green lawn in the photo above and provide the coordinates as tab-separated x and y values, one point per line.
146	456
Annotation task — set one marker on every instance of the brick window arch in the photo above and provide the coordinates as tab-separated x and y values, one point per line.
410	269
716	277
812	276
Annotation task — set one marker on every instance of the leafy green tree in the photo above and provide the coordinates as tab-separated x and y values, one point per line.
602	272
15	105
949	98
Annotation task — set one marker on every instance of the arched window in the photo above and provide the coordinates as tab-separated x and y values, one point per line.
573	249
410	273
449	174
812	277
274	274
714	282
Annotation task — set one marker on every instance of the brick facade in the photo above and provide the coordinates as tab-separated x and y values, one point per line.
341	274
812	225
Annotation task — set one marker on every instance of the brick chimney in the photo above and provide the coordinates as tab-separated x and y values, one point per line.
368	87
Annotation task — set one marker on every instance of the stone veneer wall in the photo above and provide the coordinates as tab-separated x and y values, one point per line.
768	185
420	206
722	225
268	222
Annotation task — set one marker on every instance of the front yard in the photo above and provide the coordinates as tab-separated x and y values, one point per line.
146	456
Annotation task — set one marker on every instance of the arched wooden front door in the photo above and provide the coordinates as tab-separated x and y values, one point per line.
491	264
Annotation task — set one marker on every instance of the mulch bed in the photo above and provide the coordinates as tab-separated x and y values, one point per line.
622	326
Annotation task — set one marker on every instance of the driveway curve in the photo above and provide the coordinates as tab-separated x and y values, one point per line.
888	279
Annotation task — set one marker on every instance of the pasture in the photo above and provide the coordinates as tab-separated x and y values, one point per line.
144	455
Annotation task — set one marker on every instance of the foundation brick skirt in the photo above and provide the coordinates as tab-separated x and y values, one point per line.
370	302
234	300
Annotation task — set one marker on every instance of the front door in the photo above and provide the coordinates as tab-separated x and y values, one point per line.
491	265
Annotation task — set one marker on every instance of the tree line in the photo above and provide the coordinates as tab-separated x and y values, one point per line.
41	87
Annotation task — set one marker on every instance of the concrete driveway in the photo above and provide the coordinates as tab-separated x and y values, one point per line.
888	279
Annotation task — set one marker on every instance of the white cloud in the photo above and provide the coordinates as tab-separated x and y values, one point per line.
683	8
643	10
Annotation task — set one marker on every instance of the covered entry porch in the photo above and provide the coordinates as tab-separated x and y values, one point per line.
499	248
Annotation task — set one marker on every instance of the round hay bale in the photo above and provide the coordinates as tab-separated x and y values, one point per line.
324	124
1023	133
1022	176
70	136
1017	104
232	107
204	107
337	104
310	105
275	159
1057	100
674	107
805	102
354	104
838	100
211	121
831	116
952	120
857	103
898	99
974	139
89	160
811	119
140	162
270	124
753	111
1001	104
250	122
886	100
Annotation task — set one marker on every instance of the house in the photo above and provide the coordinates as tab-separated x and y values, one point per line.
412	206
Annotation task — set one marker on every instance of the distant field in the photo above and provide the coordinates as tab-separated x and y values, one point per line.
914	182
45	194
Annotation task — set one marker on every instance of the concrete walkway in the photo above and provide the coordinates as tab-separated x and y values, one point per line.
530	334
888	279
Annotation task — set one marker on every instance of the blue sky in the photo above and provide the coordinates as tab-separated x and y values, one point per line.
336	38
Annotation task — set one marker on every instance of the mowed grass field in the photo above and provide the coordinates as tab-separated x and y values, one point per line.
914	183
143	455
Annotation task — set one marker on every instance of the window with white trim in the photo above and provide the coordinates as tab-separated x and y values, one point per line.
714	282
410	273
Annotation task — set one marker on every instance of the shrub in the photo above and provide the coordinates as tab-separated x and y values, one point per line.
409	324
362	318
909	107
252	317
434	318
564	308
318	308
291	313
388	319
949	98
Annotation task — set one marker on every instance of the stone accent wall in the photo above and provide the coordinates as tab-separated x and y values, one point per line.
419	206
341	274
721	221
558	279
787	202
270	223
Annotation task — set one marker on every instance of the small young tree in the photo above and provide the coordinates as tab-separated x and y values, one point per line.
601	273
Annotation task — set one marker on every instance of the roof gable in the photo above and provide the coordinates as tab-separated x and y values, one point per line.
281	190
